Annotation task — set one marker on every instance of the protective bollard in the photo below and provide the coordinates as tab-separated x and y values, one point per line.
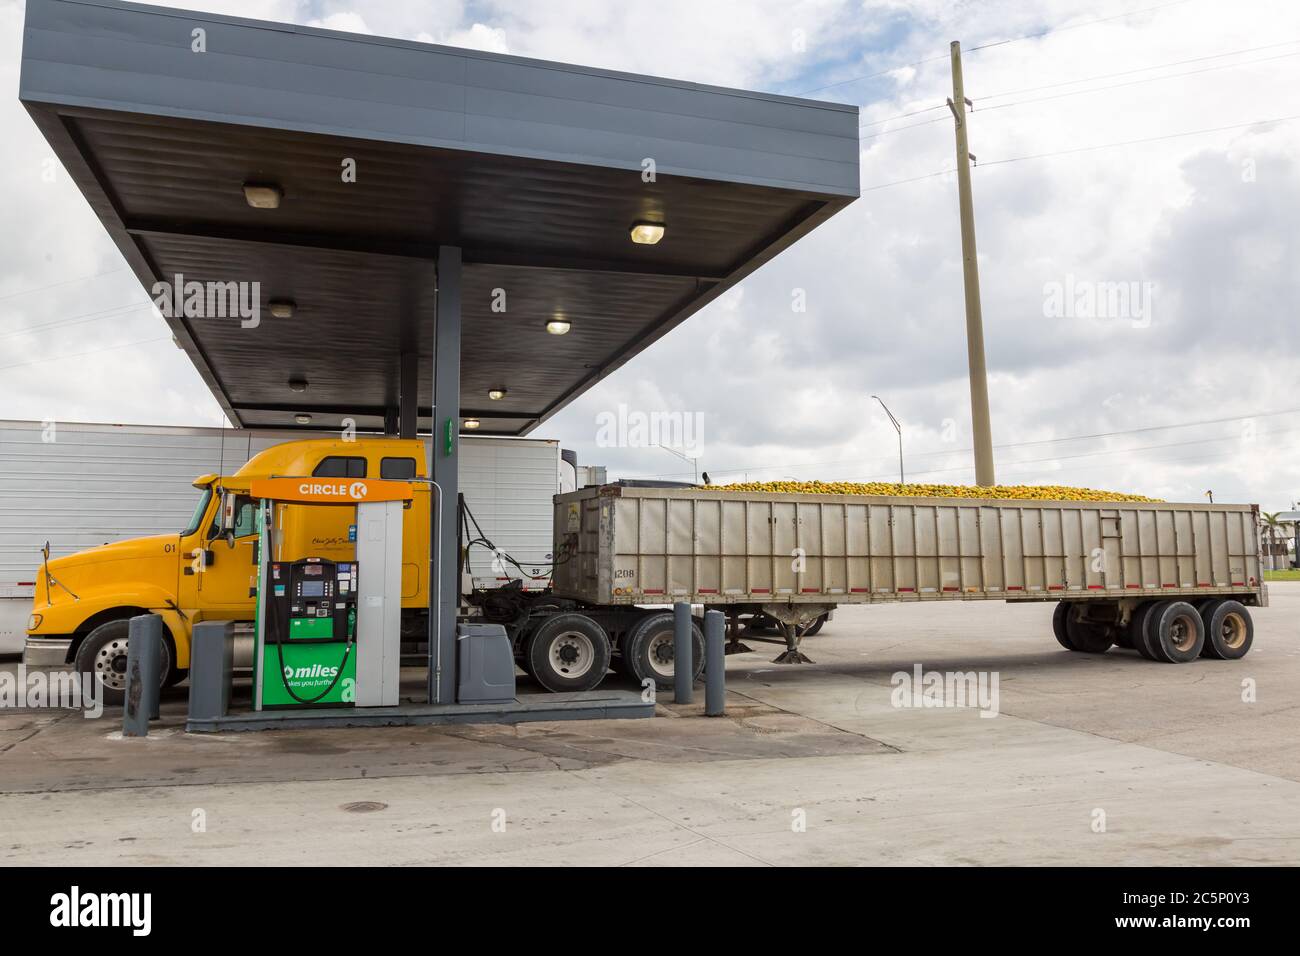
683	666
143	661
715	667
211	669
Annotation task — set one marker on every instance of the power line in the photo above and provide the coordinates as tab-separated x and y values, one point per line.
1042	99
1141	69
55	285
1146	79
996	43
60	358
78	319
1005	445
1146	139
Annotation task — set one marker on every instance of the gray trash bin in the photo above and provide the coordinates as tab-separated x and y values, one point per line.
486	665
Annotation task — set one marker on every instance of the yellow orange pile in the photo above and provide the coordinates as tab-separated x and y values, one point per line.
1026	492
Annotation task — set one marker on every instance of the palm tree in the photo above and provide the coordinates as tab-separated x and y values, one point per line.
1272	525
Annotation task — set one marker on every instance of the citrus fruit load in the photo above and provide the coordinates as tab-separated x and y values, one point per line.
893	489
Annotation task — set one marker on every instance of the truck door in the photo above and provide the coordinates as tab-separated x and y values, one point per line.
218	574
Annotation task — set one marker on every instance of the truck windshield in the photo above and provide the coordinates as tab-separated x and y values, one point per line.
198	513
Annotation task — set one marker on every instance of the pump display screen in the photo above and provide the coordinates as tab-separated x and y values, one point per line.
313	589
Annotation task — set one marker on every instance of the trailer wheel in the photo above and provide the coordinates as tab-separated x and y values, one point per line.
1138	625
648	650
568	652
1229	631
1086	636
815	626
1177	632
103	652
1058	625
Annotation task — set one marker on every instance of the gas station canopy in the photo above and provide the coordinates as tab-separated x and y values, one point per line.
536	171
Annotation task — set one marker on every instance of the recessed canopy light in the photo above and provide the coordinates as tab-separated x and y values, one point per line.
263	195
297	385
647	233
281	308
558	326
472	423
302	419
496	394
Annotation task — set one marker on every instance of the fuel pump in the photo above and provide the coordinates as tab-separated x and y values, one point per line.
328	635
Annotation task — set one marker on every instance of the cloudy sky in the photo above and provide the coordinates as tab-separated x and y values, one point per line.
1121	144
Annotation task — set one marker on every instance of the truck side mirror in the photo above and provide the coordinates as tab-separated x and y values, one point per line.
229	516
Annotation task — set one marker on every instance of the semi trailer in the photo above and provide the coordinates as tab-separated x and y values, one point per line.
1172	581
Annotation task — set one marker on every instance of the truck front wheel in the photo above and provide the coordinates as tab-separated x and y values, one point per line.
568	652
103	652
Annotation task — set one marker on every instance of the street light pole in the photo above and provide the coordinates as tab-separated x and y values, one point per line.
898	428
694	462
979	386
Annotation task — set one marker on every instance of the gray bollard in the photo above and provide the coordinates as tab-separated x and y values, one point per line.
715	667
683	665
211	665
143	661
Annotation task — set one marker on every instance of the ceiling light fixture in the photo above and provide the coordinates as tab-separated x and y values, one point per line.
558	326
297	385
471	424
496	394
302	419
282	308
647	233
263	195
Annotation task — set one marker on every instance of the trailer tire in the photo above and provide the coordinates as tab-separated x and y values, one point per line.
1085	636
104	652
1144	639
1229	631
648	650
1138	623
815	626
1177	632
1058	625
568	652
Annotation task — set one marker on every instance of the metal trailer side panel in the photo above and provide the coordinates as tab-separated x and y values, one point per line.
651	545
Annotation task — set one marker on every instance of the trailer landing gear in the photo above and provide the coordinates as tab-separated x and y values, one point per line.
792	655
734	644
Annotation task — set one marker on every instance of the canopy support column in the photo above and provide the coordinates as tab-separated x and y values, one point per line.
444	571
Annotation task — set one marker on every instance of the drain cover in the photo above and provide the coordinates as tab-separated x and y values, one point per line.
364	806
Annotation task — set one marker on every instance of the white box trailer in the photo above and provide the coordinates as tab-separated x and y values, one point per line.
80	485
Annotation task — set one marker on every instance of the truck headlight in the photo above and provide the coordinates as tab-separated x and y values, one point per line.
34	622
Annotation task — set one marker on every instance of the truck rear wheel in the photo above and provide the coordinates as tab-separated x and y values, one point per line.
1177	632
1089	637
1058	625
568	652
1139	627
649	649
1229	631
103	652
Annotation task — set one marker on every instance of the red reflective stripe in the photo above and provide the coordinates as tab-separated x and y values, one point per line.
907	589
1135	587
951	589
1204	584
1056	587
26	584
1015	587
859	590
1240	584
1096	587
1169	585
708	590
653	591
810	590
761	591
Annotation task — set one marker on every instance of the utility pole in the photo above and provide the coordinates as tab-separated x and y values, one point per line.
979	386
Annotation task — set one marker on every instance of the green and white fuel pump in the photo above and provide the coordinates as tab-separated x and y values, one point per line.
328	633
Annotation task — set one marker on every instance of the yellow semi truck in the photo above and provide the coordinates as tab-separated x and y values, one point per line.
82	602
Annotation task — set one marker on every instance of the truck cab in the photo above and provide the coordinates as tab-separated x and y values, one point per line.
84	601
